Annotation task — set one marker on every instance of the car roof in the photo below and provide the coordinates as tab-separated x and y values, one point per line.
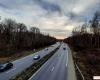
1	65
36	55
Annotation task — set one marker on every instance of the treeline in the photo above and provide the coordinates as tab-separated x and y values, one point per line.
86	36
15	36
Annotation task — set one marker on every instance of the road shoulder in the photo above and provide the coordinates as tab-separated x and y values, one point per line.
71	69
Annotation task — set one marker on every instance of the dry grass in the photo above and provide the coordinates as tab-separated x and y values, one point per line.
89	62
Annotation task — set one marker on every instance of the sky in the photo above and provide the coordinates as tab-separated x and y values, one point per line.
56	17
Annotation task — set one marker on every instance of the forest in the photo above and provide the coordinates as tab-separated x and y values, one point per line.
16	36
87	35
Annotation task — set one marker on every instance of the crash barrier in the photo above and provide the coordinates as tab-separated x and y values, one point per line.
80	75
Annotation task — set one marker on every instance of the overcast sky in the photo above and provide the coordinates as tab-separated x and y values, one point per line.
56	17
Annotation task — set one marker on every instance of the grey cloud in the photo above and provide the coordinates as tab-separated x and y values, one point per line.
50	7
34	10
3	6
15	4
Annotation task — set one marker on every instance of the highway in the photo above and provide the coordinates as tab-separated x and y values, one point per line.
25	62
56	68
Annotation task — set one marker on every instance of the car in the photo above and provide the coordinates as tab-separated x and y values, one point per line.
52	45
64	48
6	66
46	49
36	57
1	68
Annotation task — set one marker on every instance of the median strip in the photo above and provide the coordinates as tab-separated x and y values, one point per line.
26	74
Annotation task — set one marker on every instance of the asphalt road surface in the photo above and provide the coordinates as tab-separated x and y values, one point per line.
23	63
56	68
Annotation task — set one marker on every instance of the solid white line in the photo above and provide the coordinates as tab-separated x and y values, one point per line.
67	59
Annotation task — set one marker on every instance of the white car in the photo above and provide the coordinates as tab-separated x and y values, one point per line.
36	57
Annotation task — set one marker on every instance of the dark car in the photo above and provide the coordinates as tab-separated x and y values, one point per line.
64	48
36	57
46	49
6	66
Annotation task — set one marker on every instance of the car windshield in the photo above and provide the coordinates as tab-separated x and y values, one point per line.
1	66
36	55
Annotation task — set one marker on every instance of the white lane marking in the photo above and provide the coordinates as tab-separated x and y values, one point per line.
52	68
67	59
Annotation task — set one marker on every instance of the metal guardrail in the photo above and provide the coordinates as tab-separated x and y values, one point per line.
79	71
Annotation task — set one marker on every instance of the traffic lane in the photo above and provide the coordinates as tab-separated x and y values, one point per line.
17	68
30	58
21	64
45	67
42	53
63	67
50	69
60	72
51	75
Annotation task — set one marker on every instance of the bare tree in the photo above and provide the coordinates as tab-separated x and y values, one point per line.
15	36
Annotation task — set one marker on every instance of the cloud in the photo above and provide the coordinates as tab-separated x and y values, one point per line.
50	7
3	6
57	17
